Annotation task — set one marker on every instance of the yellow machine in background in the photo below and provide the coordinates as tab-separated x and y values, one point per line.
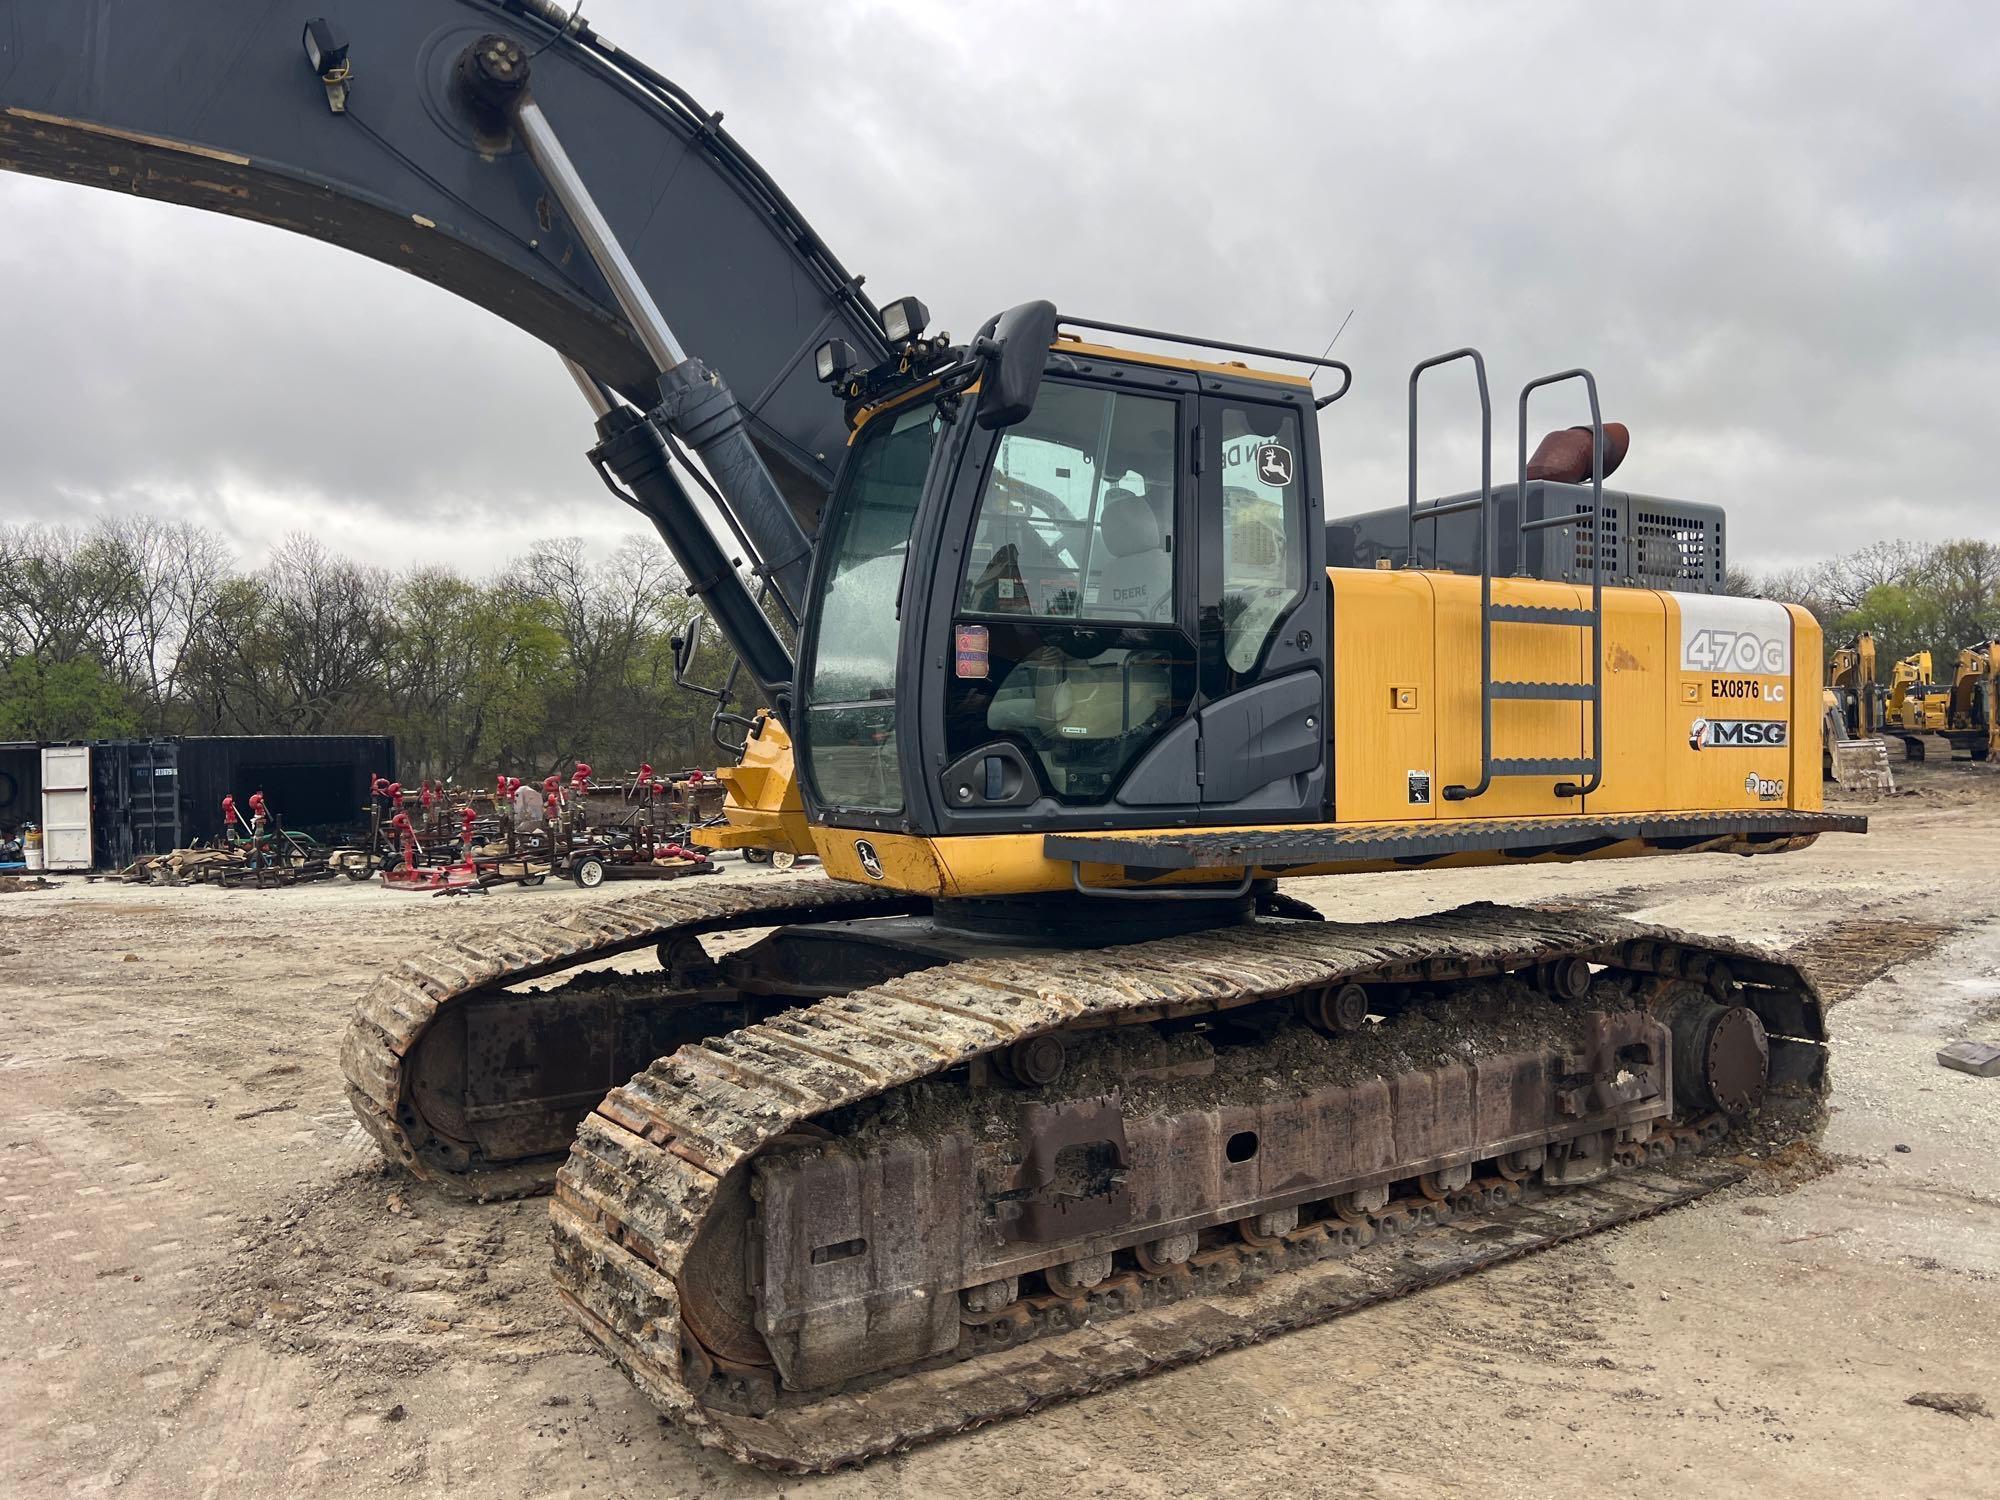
1964	713
1916	703
1851	751
1974	710
1852	695
763	812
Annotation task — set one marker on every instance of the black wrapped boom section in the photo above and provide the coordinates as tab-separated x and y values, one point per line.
217	106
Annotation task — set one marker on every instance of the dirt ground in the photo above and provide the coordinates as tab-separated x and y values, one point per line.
212	1287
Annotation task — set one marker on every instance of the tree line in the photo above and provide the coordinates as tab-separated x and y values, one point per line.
1911	596
138	626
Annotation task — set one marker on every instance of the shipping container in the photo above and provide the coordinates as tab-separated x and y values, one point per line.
20	785
115	800
318	783
135	800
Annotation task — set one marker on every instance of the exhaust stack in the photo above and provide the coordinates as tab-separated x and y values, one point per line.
1563	457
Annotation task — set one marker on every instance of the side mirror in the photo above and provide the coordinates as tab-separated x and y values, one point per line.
1013	375
685	647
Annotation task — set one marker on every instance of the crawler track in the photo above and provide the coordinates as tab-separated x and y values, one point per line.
422	992
656	1211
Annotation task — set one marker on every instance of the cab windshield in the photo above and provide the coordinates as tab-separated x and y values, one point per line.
850	695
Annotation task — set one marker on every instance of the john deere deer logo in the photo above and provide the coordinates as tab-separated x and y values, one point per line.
1274	465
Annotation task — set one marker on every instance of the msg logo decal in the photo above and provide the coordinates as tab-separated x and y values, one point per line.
1741	734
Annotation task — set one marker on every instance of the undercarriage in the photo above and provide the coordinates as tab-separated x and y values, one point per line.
858	1183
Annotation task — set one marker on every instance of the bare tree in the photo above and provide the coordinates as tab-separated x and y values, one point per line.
1848	579
300	648
61	589
176	570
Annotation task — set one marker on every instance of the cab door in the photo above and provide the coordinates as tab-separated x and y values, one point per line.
1262	617
1127	623
1059	652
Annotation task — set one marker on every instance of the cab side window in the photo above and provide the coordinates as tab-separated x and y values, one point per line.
1262	526
1066	642
1077	518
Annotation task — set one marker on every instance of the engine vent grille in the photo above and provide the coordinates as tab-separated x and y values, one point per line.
1678	550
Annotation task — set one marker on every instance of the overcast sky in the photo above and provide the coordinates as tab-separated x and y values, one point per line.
1774	233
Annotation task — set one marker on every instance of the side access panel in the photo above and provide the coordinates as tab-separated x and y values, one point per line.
1744	698
1271	731
1385	706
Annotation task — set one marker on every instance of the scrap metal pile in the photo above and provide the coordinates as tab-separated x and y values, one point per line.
444	839
255	850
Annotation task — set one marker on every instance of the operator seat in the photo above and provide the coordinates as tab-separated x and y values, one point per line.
1137	583
1119	694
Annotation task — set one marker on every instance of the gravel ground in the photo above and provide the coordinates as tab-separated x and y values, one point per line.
212	1286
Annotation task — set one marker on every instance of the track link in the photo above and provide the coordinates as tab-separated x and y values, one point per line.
665	1158
413	997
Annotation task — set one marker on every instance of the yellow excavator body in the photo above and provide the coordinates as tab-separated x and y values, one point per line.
1975	694
1915	701
1406	724
763	810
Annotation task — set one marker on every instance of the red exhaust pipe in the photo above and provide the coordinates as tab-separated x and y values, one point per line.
1564	457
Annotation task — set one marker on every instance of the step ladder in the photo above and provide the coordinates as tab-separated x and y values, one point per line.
1588	768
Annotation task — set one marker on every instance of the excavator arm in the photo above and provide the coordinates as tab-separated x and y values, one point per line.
524	163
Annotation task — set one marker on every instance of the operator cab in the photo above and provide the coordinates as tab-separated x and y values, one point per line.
1126	621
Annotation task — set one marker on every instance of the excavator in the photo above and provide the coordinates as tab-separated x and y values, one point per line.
1046	1083
1964	713
1852	694
1851	749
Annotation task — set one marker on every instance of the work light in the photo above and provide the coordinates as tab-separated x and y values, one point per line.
325	51
904	319
833	360
326	55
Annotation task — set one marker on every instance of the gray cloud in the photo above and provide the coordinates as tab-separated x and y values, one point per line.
1773	232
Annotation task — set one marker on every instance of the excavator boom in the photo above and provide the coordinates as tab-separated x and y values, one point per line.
221	106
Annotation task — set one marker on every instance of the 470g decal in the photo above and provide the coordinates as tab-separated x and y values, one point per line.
1742	734
1736	651
1740	637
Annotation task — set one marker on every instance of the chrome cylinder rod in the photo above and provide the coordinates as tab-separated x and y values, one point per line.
546	151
